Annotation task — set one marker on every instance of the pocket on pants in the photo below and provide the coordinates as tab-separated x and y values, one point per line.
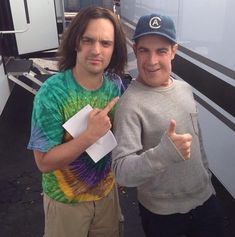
49	210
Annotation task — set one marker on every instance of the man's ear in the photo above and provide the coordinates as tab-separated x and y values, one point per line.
134	47
78	46
174	50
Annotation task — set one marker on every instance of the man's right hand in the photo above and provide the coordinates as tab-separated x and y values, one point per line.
181	141
99	122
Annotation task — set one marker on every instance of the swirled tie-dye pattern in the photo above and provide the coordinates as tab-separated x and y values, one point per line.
59	98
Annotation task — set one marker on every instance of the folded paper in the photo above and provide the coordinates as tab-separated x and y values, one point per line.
78	123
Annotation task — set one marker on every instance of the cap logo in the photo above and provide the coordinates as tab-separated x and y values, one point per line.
155	22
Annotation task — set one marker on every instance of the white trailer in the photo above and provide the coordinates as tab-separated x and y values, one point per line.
27	27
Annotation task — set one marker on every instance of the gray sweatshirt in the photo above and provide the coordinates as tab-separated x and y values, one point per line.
147	159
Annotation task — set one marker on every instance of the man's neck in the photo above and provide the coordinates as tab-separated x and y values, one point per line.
88	80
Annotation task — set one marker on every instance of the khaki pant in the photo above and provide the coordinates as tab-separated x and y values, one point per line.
86	219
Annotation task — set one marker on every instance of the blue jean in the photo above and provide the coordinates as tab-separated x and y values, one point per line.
203	221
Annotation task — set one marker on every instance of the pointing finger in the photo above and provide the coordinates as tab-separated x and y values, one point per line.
109	106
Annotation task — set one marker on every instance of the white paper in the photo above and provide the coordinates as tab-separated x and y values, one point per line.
78	123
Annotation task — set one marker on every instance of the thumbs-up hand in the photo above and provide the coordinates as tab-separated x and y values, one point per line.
181	141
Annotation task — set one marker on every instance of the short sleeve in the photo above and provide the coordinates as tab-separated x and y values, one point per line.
46	124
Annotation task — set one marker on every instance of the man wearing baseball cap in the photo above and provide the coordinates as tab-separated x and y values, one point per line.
160	149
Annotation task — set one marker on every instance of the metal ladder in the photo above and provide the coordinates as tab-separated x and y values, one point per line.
16	68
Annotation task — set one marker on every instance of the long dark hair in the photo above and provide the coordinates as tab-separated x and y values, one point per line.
72	36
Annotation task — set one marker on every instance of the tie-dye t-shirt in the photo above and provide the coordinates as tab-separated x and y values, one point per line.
59	98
